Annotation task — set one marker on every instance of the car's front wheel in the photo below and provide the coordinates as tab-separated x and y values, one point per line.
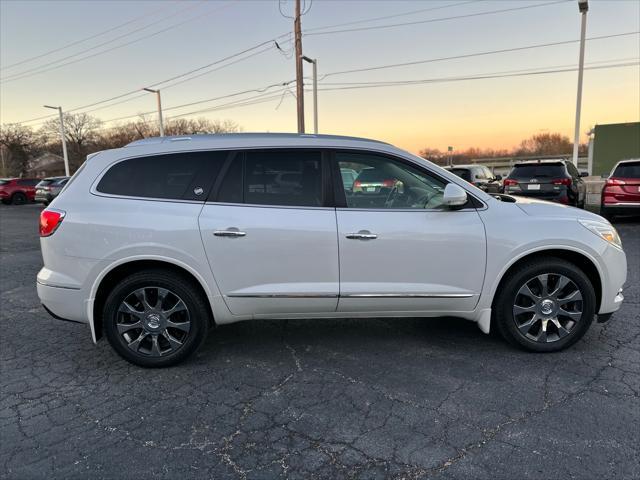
545	305
155	318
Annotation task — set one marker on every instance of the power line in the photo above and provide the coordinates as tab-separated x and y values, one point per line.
126	94
475	54
82	40
387	17
364	85
441	19
55	66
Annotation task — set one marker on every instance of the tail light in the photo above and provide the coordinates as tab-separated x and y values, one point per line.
509	182
50	220
357	184
388	183
562	181
614	181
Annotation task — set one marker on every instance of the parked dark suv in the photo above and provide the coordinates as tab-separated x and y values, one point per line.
478	175
553	180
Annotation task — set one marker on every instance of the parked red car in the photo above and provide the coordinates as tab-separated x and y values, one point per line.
18	191
621	191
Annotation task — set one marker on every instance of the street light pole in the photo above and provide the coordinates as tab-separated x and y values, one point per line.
583	6
62	137
314	62
160	123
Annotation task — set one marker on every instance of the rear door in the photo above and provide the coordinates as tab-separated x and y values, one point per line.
269	232
400	249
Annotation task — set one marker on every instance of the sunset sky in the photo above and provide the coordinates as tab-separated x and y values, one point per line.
156	41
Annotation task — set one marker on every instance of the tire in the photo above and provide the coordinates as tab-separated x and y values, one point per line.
537	325
187	325
18	198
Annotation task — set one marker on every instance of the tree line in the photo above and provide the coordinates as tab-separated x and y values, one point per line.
542	144
85	134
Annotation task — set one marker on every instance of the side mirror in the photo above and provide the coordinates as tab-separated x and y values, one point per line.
584	174
454	196
498	177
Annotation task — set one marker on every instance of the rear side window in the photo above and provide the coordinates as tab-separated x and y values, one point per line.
278	177
627	170
28	182
463	173
177	176
538	170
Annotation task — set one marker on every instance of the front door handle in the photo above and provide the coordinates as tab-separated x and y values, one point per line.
229	232
362	235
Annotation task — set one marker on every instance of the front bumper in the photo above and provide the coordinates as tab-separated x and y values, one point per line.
615	275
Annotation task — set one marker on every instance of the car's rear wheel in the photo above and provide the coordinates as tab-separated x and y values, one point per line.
155	318
545	305
18	198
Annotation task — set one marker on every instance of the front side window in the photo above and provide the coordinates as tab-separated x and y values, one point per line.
274	177
171	176
384	183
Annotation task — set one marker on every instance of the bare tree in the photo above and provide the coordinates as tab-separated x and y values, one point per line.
81	133
19	144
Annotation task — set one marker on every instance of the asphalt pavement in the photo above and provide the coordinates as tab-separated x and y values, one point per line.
383	398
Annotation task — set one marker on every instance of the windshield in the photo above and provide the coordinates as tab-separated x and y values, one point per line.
4	182
628	170
45	182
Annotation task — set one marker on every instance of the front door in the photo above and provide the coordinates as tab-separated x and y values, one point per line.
400	249
270	241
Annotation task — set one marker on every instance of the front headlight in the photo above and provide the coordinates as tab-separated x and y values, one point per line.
604	231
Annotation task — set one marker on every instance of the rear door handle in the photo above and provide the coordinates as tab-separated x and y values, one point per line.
229	232
362	235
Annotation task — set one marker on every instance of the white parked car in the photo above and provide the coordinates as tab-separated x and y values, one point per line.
154	243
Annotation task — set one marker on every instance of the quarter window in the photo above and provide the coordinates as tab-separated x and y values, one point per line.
186	176
383	183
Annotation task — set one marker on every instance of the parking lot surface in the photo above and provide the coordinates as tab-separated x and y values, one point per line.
399	398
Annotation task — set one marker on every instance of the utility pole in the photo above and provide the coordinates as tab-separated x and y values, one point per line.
297	30
63	138
583	6
160	123
314	62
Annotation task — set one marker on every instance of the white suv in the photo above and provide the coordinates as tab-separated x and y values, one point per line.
156	242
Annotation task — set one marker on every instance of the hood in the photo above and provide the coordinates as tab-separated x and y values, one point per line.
542	208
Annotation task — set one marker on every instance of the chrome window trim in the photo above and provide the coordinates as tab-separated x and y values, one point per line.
147	199
259	205
416	210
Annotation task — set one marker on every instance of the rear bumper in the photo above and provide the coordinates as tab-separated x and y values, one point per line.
559	196
622	208
64	303
47	197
